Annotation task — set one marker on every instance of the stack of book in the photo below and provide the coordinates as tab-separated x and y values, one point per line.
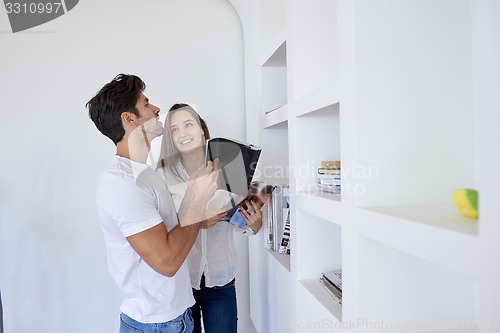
277	218
285	239
329	176
332	281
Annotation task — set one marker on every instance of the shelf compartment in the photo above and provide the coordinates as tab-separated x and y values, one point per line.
265	274
316	138
315	45
274	80
414	100
327	95
419	231
273	162
408	293
276	117
318	291
318	247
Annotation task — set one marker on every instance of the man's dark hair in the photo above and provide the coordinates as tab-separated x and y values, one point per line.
118	96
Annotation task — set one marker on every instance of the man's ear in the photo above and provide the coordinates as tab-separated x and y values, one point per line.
128	118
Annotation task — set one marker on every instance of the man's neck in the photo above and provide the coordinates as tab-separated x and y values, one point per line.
137	152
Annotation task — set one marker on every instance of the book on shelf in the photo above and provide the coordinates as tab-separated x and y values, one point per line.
329	179
285	238
330	164
237	165
267	217
334	292
335	189
277	219
328	171
332	280
334	277
328	176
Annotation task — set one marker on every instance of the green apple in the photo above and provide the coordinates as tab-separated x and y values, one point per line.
465	200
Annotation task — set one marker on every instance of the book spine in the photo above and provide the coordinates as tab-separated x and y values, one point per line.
334	293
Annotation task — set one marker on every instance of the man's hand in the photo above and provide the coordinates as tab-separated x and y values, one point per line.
215	217
202	185
200	189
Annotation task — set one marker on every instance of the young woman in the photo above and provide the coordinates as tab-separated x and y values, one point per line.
212	260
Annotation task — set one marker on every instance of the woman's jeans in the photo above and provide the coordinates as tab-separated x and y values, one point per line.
181	324
218	308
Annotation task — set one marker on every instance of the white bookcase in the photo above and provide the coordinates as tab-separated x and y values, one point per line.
399	91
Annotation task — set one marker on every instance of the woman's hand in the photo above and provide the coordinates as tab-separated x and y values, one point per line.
252	216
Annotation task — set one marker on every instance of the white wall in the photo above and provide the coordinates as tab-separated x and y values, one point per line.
53	273
486	30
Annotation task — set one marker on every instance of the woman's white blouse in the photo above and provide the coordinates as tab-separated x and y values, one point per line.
213	253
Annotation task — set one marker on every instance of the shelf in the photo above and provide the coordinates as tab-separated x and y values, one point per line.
460	327
273	163
265	276
326	206
435	233
276	116
414	101
396	107
315	45
318	291
320	98
282	258
443	216
316	139
274	80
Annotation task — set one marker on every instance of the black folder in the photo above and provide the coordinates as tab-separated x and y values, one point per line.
237	163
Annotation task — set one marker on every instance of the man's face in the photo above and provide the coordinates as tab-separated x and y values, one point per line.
149	117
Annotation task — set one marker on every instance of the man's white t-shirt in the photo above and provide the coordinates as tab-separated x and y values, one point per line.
131	198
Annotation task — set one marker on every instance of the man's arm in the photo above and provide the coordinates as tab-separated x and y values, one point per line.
166	251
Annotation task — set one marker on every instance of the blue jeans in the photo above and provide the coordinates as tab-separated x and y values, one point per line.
181	324
218	307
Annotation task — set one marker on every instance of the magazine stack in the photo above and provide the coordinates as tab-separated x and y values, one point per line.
329	176
332	281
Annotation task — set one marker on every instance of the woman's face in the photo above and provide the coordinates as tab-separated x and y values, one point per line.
187	134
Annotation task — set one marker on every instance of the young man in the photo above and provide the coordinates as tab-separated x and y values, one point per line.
145	245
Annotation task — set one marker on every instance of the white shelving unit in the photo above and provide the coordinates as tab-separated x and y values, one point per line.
396	90
274	80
